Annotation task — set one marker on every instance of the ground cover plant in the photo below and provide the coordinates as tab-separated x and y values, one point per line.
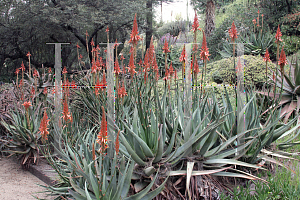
172	142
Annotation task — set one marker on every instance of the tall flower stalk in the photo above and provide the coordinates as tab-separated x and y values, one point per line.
277	41
182	59
27	104
267	59
204	56
44	127
28	55
166	50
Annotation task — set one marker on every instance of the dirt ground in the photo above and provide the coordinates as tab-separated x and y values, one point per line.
16	183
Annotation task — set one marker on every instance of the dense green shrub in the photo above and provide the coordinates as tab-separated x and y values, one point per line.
254	71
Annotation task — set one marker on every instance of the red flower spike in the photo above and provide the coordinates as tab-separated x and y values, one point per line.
107	29
64	70
45	91
35	73
22	67
27	104
262	15
196	67
67	117
122	57
278	36
92	43
175	75
116	43
204	50
86	34
182	56
98	85
258	11
134	37
32	92
166	48
233	32
195	24
254	21
267	56
102	135
77	46
49	70
122	91
282	60
131	67
17	71
117	69
28	54
171	70
43	130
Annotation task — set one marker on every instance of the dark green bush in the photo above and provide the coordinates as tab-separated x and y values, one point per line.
254	71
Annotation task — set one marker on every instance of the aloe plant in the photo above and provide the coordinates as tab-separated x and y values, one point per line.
290	97
24	139
85	173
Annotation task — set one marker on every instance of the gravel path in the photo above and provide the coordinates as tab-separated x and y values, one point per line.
16	183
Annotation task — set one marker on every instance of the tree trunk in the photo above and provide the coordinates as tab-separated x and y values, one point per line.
149	19
210	18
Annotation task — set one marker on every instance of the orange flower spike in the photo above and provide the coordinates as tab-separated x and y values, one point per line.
134	37
92	43
233	32
64	70
28	54
22	67
35	73
77	46
196	67
102	135
66	114
49	70
195	24
43	126
204	50
166	48
267	56
122	91
171	70
131	67
117	145
17	71
182	56
254	21
278	36
107	29
282	60
117	67
27	104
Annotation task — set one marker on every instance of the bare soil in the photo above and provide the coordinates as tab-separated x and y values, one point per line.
17	183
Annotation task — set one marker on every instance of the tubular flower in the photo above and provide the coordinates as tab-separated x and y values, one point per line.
155	67
196	67
67	117
64	70
131	67
267	56
204	50
282	60
43	126
22	67
232	32
32	92
171	70
134	37
195	24
35	73
278	36
166	48
117	145
122	91
17	71
117	67
98	85
45	91
182	56
102	135
92	43
27	104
